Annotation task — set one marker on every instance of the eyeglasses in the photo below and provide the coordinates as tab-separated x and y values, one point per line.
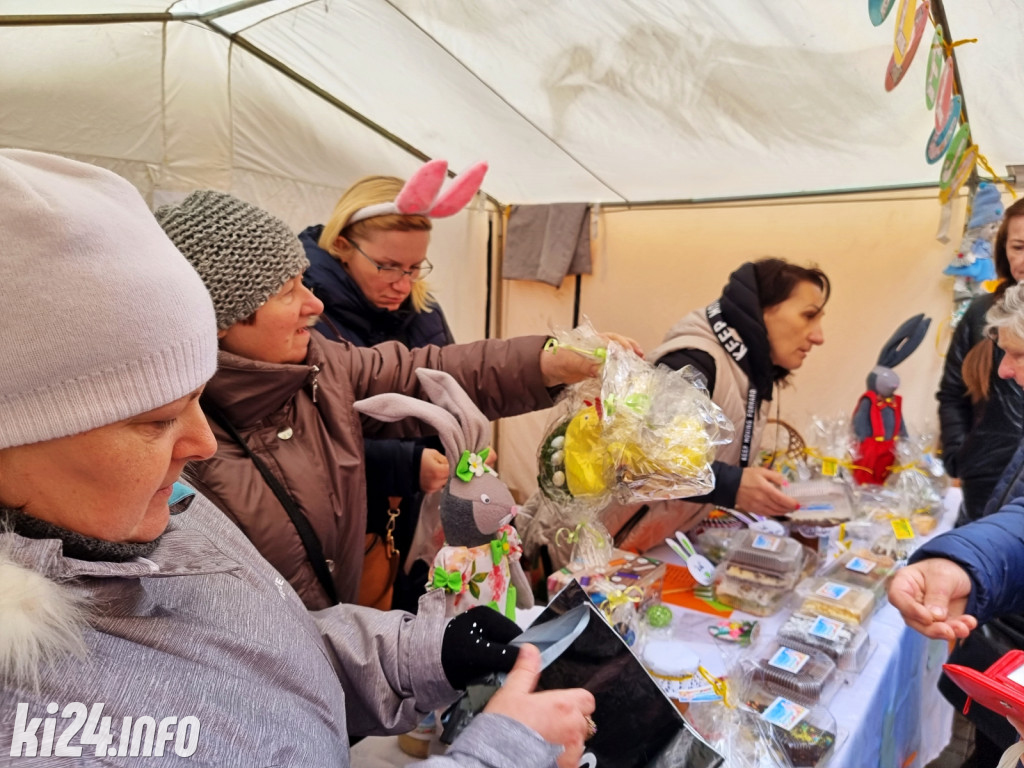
394	274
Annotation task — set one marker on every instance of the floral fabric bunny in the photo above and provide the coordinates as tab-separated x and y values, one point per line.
479	564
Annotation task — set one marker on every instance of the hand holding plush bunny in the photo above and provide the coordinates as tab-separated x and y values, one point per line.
479	564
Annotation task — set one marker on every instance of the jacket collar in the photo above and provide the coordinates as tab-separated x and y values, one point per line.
181	551
250	391
344	301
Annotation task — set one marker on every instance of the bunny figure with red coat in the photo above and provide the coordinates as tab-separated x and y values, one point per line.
878	418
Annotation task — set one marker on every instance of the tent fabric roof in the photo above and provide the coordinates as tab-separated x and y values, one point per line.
620	101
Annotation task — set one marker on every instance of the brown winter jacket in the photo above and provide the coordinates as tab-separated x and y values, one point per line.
299	420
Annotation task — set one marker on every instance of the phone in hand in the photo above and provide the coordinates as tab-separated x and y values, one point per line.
999	688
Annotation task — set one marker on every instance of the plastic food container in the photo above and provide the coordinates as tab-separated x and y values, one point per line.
806	676
848	645
836	600
765	553
749	596
760	572
823	503
862	568
805	735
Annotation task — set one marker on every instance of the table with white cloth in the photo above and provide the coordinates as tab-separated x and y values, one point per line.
890	714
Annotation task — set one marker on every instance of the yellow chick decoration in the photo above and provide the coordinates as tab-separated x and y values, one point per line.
587	471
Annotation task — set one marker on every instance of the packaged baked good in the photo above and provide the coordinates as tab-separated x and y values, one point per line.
759	573
899	548
806	676
805	735
836	600
848	645
863	568
823	503
765	553
746	595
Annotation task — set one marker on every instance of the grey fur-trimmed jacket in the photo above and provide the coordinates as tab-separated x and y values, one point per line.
204	628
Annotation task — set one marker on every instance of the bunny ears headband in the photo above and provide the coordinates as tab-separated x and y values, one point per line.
422	196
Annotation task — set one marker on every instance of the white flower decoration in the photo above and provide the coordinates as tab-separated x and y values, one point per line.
476	464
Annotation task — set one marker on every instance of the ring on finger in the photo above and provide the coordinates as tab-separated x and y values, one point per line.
591	727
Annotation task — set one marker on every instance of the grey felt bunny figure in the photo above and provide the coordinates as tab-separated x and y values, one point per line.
878	418
479	564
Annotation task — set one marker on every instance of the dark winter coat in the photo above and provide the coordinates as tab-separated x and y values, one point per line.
977	441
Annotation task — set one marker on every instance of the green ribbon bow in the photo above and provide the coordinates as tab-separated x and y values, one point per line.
449	581
463	470
499	548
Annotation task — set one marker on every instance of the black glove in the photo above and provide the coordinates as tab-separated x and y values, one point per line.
475	644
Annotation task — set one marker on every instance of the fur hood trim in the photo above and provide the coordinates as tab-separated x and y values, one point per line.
40	621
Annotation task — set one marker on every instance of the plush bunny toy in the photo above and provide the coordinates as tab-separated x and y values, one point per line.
479	564
878	418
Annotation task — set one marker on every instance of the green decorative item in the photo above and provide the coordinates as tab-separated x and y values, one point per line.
450	581
659	616
499	548
472	465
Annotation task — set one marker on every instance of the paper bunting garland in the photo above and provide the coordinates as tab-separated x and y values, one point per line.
879	9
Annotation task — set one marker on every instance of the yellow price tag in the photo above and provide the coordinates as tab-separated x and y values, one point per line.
902	528
829	467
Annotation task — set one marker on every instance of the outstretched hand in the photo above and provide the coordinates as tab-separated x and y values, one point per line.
931	595
759	493
566	366
560	717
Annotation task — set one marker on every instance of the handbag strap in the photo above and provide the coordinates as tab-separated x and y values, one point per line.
310	541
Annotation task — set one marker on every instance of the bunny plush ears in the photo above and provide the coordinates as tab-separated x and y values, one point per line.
904	341
422	196
464	430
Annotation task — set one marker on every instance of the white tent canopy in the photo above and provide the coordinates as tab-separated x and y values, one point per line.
620	102
569	100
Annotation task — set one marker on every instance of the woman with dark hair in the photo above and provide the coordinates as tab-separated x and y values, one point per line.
981	416
744	344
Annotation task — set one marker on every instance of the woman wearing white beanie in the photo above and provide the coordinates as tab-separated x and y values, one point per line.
135	620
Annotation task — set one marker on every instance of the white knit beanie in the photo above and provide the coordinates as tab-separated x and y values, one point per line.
103	319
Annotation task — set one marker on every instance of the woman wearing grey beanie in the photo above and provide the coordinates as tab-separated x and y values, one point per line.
281	400
135	619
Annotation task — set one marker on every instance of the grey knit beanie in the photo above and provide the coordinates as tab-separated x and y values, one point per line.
103	318
243	253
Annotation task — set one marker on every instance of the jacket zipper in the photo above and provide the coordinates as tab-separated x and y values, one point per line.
314	383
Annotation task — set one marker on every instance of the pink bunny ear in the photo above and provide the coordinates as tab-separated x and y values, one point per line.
459	192
420	191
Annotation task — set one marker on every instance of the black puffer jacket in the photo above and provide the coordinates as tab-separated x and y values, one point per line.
977	441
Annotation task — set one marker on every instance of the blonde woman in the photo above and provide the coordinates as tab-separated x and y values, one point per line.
370	275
